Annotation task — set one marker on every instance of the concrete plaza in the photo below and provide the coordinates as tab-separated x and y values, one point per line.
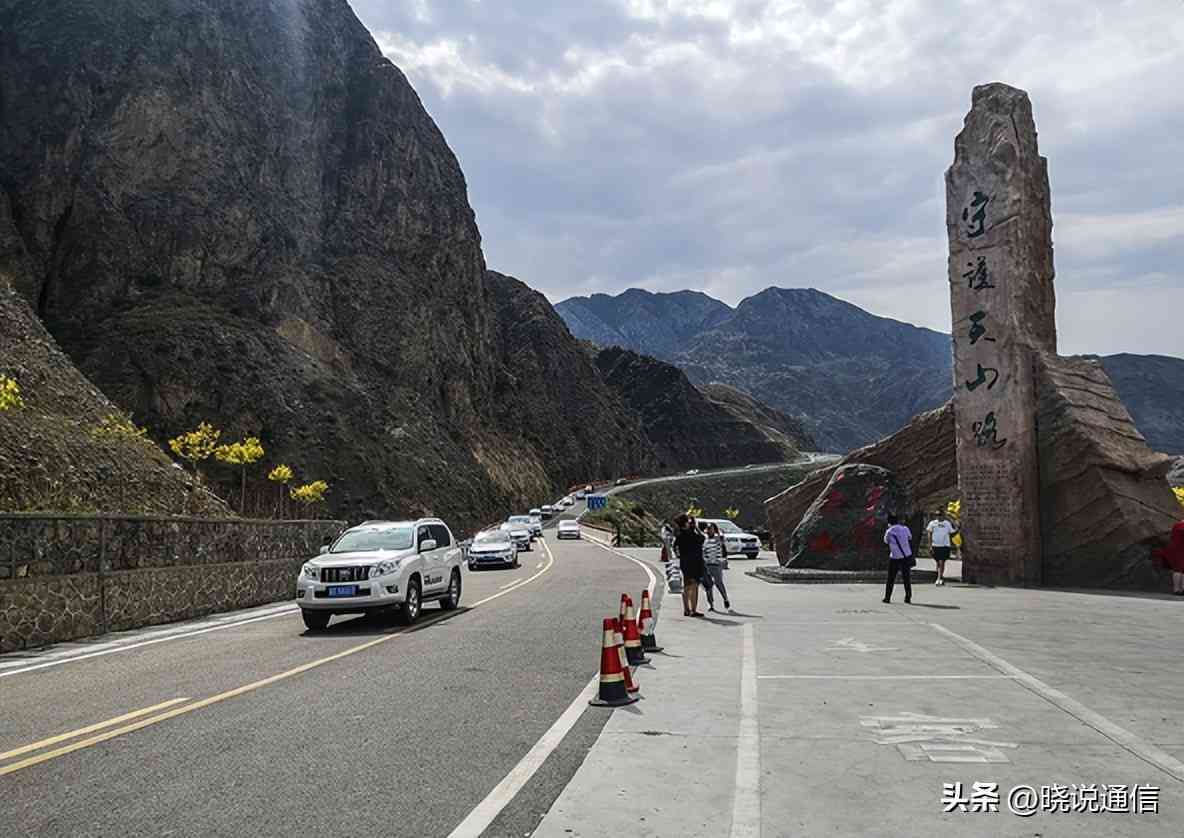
818	710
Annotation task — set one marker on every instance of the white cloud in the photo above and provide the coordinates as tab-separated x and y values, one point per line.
729	145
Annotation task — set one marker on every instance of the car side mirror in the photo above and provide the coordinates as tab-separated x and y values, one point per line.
427	544
325	548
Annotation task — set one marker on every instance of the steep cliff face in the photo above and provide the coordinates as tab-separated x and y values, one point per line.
241	212
686	427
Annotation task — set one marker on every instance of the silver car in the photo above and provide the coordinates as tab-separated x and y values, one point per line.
519	534
493	547
536	529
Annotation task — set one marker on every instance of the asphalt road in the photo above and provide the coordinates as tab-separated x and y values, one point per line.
367	728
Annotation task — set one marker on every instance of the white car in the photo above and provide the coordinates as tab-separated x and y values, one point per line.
692	471
535	530
493	547
548	512
568	529
519	534
737	542
581	494
382	566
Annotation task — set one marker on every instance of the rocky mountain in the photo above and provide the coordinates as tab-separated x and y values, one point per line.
659	325
690	427
851	376
1152	388
783	430
241	213
66	447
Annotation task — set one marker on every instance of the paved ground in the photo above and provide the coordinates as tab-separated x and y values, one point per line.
364	729
817	710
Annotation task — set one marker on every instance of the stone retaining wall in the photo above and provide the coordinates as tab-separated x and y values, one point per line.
69	576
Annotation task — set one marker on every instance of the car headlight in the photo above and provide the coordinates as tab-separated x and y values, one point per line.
310	571
383	568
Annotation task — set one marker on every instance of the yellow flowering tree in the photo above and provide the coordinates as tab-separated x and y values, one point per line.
694	511
196	445
1179	490
310	494
10	394
281	475
731	513
241	454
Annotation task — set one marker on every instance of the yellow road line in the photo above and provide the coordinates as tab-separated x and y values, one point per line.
82	731
215	699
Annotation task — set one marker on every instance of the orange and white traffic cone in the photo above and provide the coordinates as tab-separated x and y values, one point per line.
631	685
624	605
633	651
612	692
645	625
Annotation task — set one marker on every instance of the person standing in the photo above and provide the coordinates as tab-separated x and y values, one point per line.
715	562
667	536
688	542
1173	557
900	557
941	531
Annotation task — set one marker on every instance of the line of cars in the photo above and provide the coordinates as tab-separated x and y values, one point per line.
394	567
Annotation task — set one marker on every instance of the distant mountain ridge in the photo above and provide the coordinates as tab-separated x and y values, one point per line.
852	376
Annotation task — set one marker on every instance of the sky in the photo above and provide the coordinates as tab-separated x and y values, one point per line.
731	145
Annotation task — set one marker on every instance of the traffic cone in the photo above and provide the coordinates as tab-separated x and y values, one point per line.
624	605
645	625
630	684
633	651
612	692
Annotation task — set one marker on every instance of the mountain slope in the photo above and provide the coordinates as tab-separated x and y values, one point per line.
1152	388
851	376
53	454
241	213
686	427
659	325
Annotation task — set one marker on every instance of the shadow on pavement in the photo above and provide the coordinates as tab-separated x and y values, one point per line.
933	605
376	625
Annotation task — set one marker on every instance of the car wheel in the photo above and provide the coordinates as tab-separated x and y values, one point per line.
315	620
453	598
408	612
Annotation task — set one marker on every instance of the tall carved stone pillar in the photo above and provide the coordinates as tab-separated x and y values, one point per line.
999	223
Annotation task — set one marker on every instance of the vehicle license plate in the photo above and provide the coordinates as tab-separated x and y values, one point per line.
342	590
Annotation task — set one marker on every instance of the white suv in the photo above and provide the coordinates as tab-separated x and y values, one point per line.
736	540
382	566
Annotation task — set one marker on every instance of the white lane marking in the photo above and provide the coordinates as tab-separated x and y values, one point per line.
171	635
540	564
643	565
488	809
850	644
746	801
885	677
515	585
478	820
1120	736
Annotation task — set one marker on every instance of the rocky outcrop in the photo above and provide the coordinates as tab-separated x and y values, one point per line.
686	428
56	452
1104	497
241	213
920	455
844	528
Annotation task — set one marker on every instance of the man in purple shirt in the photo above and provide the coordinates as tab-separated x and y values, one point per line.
900	557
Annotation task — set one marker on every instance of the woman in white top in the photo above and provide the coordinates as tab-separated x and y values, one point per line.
715	559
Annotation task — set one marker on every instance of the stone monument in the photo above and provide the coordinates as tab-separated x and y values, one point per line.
999	222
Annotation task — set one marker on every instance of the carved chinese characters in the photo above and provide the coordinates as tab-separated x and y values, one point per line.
1000	272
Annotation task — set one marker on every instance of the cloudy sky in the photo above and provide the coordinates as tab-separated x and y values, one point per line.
730	145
